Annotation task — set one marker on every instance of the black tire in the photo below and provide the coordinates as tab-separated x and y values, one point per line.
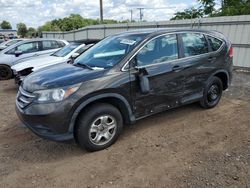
88	119
212	93
5	72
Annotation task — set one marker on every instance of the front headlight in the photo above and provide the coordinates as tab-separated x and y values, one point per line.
56	95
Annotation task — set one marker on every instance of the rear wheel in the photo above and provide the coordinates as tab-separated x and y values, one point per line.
212	93
5	72
99	127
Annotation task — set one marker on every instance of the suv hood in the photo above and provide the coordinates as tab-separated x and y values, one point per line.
37	62
59	75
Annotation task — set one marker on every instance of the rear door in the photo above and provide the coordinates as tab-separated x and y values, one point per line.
49	46
197	64
160	60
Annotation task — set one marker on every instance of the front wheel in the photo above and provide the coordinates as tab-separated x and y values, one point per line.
212	93
98	127
5	72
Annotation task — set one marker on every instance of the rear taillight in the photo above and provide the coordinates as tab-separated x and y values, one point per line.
231	52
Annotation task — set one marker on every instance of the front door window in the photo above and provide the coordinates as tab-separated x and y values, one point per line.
159	50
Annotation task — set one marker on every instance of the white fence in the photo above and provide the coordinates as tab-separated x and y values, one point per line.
236	28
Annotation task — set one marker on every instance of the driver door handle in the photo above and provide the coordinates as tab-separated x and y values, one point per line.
211	59
176	68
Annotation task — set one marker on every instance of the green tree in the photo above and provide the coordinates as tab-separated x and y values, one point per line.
234	7
49	26
188	14
207	6
31	32
72	22
5	25
22	29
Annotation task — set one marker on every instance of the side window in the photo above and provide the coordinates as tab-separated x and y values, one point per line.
214	43
48	45
60	44
11	51
81	50
194	44
55	44
161	49
28	47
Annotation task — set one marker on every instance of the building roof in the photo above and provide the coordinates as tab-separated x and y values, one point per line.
8	30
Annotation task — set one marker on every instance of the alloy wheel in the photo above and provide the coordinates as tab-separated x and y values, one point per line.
102	130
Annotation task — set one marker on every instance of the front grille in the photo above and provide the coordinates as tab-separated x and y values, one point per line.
24	98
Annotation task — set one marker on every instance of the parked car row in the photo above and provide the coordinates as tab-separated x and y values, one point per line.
67	53
121	79
24	50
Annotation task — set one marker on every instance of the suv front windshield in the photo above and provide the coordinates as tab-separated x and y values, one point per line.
110	51
65	50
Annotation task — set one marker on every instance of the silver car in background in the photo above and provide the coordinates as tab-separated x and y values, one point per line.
24	50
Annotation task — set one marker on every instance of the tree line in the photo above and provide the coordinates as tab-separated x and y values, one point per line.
71	22
207	9
75	21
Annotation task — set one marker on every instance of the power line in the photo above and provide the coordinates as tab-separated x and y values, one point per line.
148	8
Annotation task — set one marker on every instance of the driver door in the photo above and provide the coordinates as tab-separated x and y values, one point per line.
29	49
158	62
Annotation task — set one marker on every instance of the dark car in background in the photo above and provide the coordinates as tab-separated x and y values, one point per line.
1	39
124	78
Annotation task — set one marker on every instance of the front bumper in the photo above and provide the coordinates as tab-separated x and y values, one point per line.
44	123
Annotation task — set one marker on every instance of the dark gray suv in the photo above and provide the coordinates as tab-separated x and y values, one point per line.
123	78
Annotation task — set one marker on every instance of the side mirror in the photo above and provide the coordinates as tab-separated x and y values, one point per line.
144	84
18	52
75	55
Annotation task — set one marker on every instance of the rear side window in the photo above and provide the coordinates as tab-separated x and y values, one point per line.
61	44
194	44
48	45
214	43
81	50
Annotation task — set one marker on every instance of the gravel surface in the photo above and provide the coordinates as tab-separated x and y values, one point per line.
184	147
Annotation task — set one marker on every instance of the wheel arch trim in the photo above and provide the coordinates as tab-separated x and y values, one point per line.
95	98
220	71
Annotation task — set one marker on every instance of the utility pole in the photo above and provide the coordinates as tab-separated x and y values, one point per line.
131	15
147	8
101	11
141	14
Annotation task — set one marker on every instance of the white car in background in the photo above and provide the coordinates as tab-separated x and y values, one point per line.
63	55
8	43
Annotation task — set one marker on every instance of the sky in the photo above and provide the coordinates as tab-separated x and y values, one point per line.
35	13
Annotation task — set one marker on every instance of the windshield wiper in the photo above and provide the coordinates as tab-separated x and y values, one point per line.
84	65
